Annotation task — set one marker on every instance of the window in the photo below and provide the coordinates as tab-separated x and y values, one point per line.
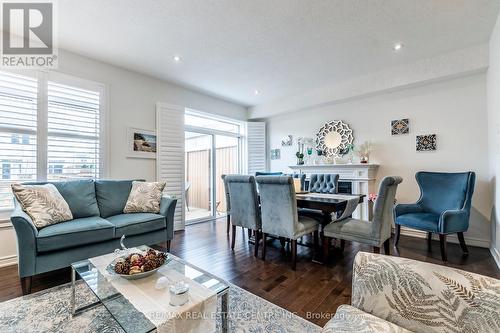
73	132
57	139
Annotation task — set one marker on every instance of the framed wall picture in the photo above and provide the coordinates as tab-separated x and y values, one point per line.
275	154
141	143
400	126
426	142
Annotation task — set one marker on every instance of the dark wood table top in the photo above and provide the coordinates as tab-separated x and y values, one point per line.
325	203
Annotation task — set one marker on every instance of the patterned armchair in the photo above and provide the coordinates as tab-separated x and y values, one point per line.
391	294
443	208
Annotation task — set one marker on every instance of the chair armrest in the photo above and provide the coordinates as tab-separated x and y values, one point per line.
26	241
167	209
401	209
422	297
453	221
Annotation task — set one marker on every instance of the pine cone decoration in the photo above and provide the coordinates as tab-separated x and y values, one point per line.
148	266
122	267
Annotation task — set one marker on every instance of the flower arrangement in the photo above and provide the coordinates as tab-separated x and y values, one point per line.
363	151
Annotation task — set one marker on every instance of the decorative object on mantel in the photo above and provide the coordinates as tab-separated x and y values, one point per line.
363	151
426	142
300	158
320	159
141	143
400	126
333	138
287	140
275	154
350	152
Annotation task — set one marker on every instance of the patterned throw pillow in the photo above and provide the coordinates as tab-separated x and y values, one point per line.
144	197
43	203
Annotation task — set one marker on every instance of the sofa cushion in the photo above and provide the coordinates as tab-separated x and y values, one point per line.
350	319
144	197
79	194
136	223
43	203
422	221
74	233
112	196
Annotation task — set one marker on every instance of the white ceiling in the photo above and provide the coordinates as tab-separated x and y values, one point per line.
229	48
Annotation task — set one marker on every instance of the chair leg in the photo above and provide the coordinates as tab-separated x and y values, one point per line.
442	245
342	245
429	241
376	249
249	233
264	242
233	237
461	240
387	246
169	242
397	233
282	242
293	245
315	240
26	285
228	217
326	248
256	245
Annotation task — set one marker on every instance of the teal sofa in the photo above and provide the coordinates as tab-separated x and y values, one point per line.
97	226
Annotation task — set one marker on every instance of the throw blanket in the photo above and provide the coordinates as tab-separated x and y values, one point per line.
197	315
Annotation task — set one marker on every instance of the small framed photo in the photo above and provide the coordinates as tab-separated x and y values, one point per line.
275	154
141	143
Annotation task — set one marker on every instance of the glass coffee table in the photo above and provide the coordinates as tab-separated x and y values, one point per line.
126	315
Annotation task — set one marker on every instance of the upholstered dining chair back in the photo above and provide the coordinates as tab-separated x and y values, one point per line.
324	183
384	206
440	191
301	177
245	210
226	192
278	205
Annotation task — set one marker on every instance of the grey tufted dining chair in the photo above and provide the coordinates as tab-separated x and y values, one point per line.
375	232
245	210
279	213
228	203
320	183
324	183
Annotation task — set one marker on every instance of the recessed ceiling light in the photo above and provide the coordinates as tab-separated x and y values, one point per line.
177	58
256	92
397	47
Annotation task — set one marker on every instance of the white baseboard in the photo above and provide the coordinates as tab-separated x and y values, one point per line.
479	242
8	260
496	255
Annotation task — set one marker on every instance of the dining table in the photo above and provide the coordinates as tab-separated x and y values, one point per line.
327	204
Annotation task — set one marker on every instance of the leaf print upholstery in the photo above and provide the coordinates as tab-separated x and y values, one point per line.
144	197
423	297
43	203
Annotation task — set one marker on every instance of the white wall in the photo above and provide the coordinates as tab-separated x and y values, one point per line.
494	136
455	110
131	101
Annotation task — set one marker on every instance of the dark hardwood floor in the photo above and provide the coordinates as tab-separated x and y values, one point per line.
312	291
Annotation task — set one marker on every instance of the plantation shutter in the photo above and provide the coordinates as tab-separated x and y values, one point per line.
18	133
170	156
73	140
256	147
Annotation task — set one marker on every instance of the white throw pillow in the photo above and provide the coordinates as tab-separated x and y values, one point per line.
144	197
43	203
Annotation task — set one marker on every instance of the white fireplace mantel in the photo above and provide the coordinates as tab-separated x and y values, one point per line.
362	177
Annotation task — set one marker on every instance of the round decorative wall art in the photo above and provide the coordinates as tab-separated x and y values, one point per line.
332	139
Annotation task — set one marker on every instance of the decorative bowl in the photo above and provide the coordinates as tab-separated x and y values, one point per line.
111	269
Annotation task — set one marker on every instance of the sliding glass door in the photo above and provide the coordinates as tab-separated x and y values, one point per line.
211	151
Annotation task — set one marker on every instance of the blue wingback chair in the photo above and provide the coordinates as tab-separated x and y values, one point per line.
443	207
